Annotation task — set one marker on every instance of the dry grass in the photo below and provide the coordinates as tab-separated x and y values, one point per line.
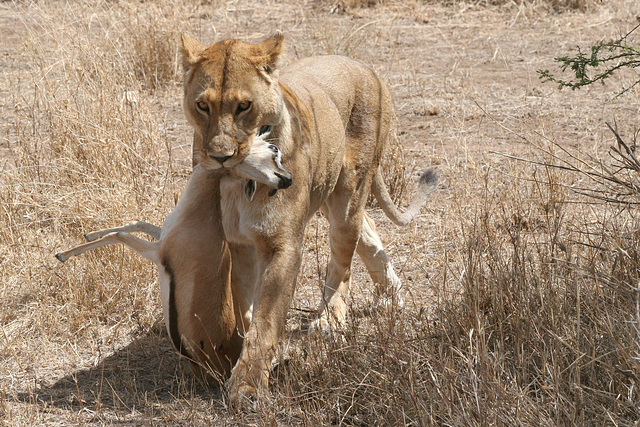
345	6
522	292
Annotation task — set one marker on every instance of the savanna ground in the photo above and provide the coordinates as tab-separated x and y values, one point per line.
522	298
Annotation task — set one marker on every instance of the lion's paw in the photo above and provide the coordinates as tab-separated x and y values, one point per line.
327	328
245	390
383	304
241	394
320	325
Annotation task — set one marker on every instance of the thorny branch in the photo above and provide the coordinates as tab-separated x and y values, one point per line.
613	55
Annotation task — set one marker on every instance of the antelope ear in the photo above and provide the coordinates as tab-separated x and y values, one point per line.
270	50
250	189
191	51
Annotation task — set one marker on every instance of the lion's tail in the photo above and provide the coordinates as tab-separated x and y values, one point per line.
426	186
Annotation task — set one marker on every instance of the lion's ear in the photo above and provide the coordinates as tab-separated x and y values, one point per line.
271	49
191	51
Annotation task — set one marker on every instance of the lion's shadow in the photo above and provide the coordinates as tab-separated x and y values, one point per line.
144	374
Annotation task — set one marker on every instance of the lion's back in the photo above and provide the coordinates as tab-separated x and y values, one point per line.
347	82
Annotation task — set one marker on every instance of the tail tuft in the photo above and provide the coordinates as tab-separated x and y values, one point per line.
429	177
427	184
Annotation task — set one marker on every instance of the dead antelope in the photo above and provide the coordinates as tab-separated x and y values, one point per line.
194	262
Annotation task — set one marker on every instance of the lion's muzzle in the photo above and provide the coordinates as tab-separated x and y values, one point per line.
220	159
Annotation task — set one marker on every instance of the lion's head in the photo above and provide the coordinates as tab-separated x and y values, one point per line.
231	97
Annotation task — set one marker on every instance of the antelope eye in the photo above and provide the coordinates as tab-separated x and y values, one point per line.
243	106
202	106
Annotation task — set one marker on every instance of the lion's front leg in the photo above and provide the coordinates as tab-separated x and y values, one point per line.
274	292
250	376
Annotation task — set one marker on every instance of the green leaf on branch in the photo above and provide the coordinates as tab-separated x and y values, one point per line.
611	56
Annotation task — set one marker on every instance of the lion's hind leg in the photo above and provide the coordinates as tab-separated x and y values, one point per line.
345	223
387	284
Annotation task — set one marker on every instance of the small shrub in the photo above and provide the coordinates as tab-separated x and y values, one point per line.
613	56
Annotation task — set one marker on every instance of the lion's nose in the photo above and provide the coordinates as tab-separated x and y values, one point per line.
220	159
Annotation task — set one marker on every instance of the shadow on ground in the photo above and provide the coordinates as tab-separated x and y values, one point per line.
145	377
144	382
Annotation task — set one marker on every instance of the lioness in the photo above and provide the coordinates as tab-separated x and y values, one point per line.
330	117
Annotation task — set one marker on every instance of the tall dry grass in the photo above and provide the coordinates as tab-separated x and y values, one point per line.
544	328
86	150
536	320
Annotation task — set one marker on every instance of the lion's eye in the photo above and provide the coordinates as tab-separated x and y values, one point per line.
202	106
243	106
